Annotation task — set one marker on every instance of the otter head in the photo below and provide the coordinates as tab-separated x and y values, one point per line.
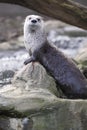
34	23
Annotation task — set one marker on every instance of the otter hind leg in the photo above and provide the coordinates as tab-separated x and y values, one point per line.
29	60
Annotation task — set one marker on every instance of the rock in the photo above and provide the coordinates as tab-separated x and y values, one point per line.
27	124
85	72
10	124
33	98
5	77
81	58
60	115
13	35
29	78
8	74
74	31
30	89
2	39
4	123
13	44
63	115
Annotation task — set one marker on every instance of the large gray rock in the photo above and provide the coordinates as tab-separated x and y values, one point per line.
34	76
59	115
31	88
33	94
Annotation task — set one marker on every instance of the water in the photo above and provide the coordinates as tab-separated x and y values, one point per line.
10	62
69	40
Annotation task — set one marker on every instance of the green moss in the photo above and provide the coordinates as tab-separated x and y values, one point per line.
84	63
10	112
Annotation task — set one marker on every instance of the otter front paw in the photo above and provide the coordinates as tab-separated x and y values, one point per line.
31	59
26	61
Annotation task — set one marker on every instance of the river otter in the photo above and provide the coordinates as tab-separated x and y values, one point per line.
66	74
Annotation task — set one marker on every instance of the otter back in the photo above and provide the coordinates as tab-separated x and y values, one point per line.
66	74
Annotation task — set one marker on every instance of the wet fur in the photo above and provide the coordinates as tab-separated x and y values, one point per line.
66	74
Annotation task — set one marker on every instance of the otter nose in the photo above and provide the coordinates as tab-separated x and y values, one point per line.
33	21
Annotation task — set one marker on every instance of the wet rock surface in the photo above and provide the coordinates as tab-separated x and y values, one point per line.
63	114
33	97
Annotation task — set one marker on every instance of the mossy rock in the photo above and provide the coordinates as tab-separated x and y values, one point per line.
30	96
81	58
62	114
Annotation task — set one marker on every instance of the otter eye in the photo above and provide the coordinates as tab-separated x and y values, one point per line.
30	18
38	19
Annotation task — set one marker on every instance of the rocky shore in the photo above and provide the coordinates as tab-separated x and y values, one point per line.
29	98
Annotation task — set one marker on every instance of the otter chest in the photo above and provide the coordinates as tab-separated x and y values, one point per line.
34	42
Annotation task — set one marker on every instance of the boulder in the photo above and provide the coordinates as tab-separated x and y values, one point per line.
34	76
5	77
31	89
32	102
81	58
